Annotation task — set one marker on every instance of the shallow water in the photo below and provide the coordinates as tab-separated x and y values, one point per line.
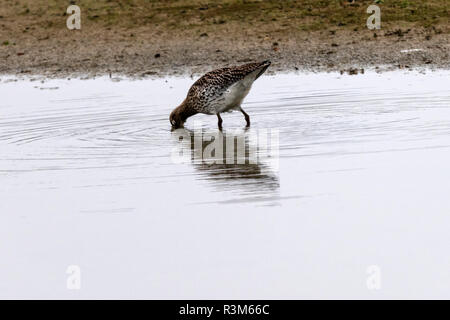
359	176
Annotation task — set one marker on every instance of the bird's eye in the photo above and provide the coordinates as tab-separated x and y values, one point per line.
174	123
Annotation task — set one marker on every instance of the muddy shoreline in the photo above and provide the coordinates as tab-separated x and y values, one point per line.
343	52
190	39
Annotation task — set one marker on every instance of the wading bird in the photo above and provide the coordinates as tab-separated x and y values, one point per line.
218	91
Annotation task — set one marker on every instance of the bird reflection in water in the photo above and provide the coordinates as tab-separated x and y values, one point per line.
241	161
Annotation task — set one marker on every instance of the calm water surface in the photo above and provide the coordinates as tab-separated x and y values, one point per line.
361	177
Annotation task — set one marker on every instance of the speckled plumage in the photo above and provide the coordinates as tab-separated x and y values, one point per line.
218	91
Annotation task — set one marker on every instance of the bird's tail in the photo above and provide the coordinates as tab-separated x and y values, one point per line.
263	67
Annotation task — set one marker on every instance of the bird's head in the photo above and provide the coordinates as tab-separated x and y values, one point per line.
180	114
176	120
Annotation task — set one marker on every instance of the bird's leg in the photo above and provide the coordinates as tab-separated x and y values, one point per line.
247	117
220	121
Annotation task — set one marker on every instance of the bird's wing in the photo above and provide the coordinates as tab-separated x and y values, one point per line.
213	84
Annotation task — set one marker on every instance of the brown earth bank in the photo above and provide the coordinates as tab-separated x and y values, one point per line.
140	38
